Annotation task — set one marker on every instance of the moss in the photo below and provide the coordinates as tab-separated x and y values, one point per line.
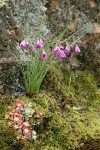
97	76
85	85
70	103
8	140
62	130
53	80
44	103
91	144
66	84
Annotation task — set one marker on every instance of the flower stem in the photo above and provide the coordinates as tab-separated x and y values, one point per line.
78	39
74	33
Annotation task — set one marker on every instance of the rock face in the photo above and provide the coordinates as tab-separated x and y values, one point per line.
9	34
20	19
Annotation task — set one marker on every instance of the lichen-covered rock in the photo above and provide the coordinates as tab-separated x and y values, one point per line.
20	19
76	13
9	34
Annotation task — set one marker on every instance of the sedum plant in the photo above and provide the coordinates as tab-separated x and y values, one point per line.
41	58
23	118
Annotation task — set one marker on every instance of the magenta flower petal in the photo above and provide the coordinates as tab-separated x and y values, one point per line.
55	49
61	48
61	54
67	49
77	49
24	44
39	44
44	56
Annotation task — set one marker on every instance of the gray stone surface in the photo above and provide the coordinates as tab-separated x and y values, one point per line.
20	19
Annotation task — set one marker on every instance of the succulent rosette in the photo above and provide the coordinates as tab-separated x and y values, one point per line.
27	131
19	105
22	122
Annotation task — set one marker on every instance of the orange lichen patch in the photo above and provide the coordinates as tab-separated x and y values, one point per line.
92	3
11	32
54	3
96	28
72	26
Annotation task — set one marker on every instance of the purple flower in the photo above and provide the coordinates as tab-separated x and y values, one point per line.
39	43
44	56
56	48
61	54
24	44
67	49
77	49
61	46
